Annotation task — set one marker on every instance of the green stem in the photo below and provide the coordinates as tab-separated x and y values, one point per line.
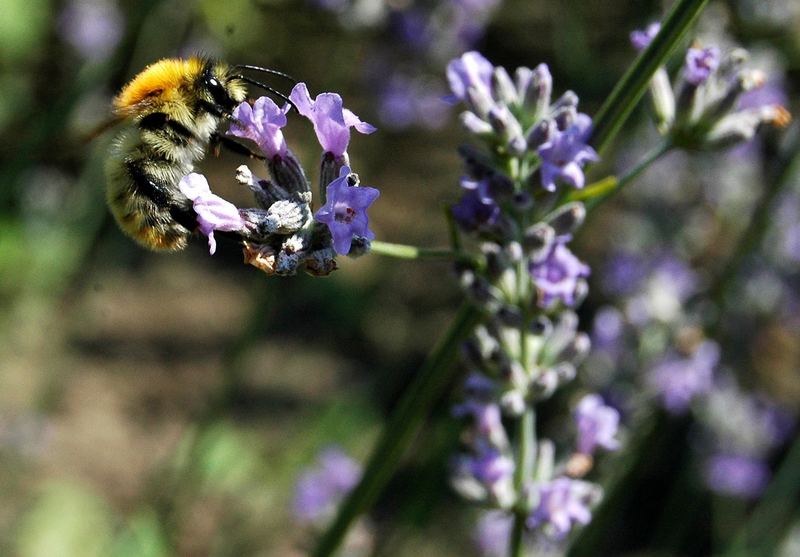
430	383
596	192
522	475
403	251
594	200
634	83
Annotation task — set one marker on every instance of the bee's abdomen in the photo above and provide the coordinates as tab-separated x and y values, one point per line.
144	198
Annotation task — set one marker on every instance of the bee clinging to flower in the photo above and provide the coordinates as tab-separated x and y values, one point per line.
172	109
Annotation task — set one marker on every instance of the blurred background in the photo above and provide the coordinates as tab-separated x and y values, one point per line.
167	405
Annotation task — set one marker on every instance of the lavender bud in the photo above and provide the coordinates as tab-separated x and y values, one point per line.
539	90
513	403
538	240
285	217
544	385
287	263
565	371
663	99
541	326
742	125
581	291
545	461
475	125
477	164
360	246
503	88
745	80
577	350
321	263
496	260
260	188
541	133
478	99
522	81
287	173
568	100
510	317
504	123
566	219
523	201
329	170
565	117
514	251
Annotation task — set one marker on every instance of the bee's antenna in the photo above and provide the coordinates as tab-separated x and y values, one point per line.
265	70
266	88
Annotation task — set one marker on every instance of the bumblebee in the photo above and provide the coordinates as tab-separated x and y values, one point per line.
172	109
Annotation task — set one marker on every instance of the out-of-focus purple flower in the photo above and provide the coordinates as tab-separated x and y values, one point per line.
92	27
493	533
641	38
607	329
411	26
320	489
557	275
597	425
477	208
678	380
485	475
337	6
345	211
736	475
491	467
623	274
406	102
564	155
213	212
772	92
470	70
332	122
487	420
262	124
668	284
563	503
700	64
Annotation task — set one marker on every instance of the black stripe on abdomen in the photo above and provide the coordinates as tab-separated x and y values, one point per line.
173	130
145	184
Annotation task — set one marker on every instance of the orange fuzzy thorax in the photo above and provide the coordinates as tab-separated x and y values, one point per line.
159	82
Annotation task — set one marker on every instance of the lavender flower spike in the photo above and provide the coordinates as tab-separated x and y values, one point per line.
597	425
700	64
641	38
332	122
320	489
213	212
472	70
557	275
562	503
345	211
262	124
564	155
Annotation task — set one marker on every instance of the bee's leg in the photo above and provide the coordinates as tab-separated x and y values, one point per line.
217	141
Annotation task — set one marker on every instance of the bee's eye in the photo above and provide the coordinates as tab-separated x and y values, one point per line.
218	92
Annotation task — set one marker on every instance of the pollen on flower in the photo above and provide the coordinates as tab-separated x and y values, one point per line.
260	256
782	117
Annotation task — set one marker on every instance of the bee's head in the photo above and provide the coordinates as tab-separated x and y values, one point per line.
219	87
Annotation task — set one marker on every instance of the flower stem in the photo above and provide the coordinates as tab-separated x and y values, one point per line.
630	89
403	251
522	475
596	193
430	382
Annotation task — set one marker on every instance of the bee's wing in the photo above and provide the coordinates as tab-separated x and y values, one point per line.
103	127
